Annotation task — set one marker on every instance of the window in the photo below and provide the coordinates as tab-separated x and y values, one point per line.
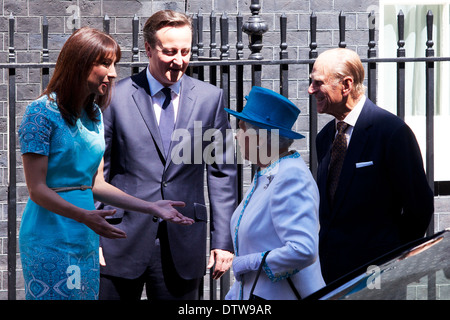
415	45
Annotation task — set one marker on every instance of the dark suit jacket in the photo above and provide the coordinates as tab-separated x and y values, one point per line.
378	207
135	164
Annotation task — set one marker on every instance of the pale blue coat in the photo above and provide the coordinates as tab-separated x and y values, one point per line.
279	213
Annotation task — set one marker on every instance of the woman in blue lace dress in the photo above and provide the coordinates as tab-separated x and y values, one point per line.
62	145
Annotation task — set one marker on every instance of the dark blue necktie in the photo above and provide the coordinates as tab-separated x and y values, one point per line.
166	122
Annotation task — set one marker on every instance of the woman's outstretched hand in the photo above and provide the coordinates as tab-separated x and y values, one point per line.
95	220
166	211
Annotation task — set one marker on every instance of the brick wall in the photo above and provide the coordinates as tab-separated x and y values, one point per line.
29	16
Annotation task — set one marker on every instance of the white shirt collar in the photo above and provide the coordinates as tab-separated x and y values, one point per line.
155	86
352	117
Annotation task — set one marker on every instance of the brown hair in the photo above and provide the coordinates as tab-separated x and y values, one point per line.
85	48
163	19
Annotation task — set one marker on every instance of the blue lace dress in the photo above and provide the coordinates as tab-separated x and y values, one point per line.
60	255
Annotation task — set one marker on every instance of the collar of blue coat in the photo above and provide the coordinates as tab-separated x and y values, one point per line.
274	163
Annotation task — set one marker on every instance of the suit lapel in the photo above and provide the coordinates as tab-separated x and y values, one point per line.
143	100
185	108
356	147
324	156
186	104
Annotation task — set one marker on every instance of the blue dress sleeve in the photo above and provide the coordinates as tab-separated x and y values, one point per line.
35	129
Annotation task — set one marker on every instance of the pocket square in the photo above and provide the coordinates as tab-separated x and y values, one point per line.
364	164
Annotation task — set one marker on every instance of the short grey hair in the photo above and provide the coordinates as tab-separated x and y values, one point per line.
346	63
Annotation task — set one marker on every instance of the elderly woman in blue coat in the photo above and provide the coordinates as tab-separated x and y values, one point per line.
279	212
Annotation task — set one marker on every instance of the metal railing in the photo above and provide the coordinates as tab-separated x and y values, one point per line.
218	67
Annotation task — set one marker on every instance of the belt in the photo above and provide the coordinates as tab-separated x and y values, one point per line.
61	189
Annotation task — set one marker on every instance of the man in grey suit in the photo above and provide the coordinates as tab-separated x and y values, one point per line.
140	159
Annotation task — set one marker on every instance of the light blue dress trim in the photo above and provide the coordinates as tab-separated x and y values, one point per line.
278	276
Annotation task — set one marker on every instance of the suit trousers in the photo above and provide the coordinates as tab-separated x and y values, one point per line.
160	283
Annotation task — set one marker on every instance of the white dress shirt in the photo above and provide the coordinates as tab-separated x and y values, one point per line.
158	97
352	117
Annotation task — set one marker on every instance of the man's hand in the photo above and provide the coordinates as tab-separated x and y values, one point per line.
101	257
222	260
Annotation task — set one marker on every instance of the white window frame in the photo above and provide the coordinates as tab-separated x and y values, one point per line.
385	99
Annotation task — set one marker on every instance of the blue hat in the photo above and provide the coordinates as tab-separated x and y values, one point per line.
269	110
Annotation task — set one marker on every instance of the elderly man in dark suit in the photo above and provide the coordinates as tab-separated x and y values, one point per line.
146	111
374	192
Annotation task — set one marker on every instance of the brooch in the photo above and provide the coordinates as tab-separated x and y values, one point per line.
270	178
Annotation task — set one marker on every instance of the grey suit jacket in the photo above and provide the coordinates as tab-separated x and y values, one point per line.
134	162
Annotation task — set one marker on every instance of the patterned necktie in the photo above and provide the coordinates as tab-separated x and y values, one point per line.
338	151
166	121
